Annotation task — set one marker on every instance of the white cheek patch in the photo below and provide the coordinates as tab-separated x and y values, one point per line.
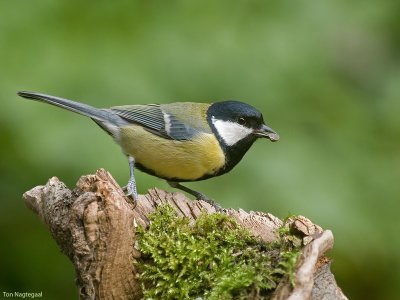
231	132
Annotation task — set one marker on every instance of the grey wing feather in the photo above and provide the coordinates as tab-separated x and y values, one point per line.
155	120
149	116
178	130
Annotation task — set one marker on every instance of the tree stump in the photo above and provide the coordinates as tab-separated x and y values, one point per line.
94	225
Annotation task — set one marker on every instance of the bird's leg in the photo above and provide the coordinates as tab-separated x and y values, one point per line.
130	188
197	195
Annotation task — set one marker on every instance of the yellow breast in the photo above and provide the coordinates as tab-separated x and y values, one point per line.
171	159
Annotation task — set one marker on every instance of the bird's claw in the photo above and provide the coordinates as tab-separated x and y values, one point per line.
131	191
218	208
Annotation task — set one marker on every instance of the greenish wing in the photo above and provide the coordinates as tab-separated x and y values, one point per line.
187	119
160	120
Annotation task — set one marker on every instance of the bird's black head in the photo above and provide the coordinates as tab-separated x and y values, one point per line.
237	126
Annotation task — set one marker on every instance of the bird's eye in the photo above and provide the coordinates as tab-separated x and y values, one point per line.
241	121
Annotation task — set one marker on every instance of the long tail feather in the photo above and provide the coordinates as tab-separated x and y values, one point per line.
80	108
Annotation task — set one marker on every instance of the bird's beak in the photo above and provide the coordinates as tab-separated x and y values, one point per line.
267	132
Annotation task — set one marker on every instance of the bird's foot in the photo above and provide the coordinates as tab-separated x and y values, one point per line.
197	195
131	191
218	208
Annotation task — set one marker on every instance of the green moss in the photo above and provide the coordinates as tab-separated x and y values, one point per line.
213	258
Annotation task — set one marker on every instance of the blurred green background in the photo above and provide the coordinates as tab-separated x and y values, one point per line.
326	75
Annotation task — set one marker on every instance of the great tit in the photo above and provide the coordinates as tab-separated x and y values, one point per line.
178	142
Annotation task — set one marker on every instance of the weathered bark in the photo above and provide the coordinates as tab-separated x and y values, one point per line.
94	225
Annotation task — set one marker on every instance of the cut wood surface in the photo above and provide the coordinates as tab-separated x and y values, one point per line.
94	225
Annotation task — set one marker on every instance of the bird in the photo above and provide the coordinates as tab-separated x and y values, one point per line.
178	142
